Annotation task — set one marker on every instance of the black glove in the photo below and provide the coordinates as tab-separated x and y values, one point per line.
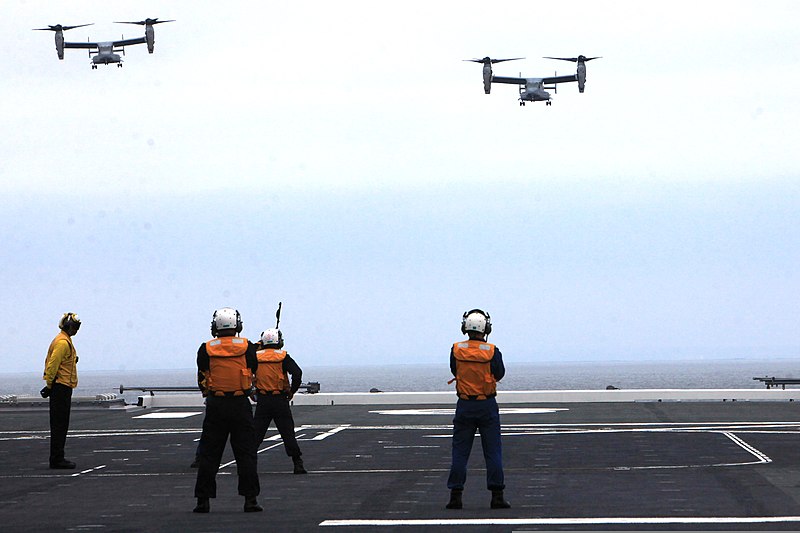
45	392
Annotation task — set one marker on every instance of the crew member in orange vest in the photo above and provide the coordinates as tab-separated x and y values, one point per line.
477	367
226	365
60	377
274	393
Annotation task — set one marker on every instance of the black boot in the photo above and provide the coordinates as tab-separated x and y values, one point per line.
298	465
498	501
251	505
62	464
203	506
455	499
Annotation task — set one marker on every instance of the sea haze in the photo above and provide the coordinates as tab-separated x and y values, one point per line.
716	374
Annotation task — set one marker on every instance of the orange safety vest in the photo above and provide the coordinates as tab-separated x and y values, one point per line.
270	377
474	378
228	372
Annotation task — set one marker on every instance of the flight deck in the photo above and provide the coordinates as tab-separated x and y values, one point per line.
631	465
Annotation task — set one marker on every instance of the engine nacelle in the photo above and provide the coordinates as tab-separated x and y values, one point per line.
60	44
581	76
150	36
487	78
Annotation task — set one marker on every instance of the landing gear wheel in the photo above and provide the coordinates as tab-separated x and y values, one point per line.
548	103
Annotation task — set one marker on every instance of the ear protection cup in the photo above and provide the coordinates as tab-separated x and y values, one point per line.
464	322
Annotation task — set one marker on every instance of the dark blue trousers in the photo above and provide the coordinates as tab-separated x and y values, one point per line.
482	416
227	417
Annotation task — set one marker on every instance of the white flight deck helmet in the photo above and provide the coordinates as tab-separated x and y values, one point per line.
226	318
476	320
272	337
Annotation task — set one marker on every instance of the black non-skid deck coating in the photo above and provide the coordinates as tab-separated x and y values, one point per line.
594	466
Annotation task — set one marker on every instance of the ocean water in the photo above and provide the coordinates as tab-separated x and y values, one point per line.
712	374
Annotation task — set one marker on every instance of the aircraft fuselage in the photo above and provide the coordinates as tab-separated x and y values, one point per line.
105	54
533	91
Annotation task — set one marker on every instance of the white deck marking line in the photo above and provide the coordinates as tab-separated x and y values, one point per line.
532	429
687	425
757	432
334	431
383	471
563	521
170	414
119	451
408	446
321	436
229	463
93	431
265	449
259	451
452	411
84	434
297	434
762	457
514	430
193	474
88	470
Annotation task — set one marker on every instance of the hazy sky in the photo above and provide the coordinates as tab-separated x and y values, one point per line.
340	157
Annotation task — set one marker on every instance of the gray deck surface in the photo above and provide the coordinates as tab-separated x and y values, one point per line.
590	466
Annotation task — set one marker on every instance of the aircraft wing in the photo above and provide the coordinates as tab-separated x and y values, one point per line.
503	79
80	45
560	79
126	42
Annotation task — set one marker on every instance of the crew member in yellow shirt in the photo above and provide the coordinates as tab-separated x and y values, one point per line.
60	377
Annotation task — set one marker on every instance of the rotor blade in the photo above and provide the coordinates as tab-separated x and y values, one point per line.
59	27
144	22
573	59
78	26
488	60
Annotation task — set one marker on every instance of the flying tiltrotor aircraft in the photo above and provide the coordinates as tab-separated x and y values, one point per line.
534	89
104	53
